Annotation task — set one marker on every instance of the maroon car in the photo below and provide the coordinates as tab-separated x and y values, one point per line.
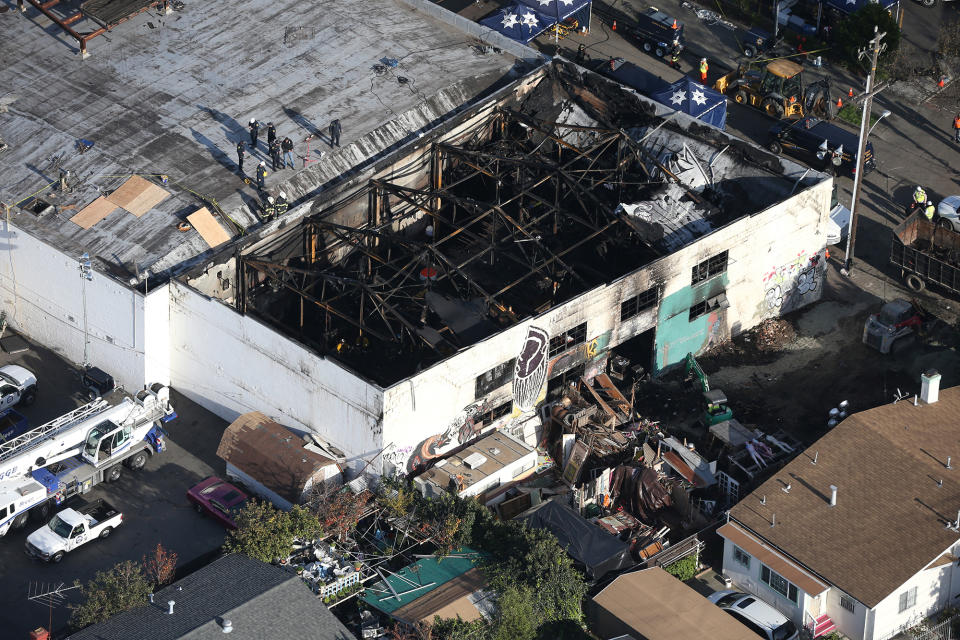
218	498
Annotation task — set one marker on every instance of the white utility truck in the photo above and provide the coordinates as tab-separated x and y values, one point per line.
42	467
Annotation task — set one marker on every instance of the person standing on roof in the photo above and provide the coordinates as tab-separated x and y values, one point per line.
956	127
271	133
335	133
269	209
282	203
275	154
703	70
241	151
254	132
286	145
262	175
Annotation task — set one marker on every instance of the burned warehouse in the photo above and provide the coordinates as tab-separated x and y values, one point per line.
473	273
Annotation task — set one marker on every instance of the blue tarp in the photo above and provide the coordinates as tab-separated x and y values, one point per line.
557	9
519	22
850	6
696	100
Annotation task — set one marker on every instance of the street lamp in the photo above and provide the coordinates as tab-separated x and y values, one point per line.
882	116
86	274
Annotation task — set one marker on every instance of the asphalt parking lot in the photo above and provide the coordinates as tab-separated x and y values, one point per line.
153	501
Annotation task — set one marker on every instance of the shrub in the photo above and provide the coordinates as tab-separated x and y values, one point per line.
119	589
856	31
684	568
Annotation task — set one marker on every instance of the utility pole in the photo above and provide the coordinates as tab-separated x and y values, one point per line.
874	49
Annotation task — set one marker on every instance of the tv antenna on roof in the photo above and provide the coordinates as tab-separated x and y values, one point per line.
49	595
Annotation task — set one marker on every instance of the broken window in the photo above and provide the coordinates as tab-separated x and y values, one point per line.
568	339
640	302
489	417
710	304
708	268
495	378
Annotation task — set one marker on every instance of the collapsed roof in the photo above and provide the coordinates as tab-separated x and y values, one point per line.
575	184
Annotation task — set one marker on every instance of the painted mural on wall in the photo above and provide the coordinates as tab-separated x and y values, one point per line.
461	430
530	373
793	285
529	388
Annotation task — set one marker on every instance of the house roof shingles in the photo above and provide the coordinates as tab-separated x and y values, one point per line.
270	453
889	520
260	600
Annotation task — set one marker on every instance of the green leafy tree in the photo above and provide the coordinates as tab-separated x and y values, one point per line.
684	568
110	592
459	629
857	30
519	617
265	533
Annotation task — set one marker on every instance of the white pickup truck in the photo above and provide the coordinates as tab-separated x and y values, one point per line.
71	528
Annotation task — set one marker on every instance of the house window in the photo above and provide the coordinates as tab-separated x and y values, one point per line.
708	268
778	583
908	599
495	378
640	302
847	603
568	339
741	557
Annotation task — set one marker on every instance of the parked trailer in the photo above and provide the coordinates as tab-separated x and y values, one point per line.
926	254
651	29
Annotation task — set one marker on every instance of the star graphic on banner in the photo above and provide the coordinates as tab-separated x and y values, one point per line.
566	2
678	97
851	1
530	20
509	20
698	97
545	3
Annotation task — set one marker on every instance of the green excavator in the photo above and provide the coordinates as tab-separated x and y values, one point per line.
715	401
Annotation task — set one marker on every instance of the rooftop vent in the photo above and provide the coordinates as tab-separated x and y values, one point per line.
227	626
474	460
170	604
833	495
930	386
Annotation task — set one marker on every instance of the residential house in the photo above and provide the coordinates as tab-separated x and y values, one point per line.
860	532
235	594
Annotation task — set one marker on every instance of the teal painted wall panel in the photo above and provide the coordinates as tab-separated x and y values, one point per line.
676	334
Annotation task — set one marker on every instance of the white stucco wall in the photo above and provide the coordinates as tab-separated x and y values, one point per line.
230	364
851	625
156	321
42	293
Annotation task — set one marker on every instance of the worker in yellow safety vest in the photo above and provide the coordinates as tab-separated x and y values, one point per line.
929	211
703	70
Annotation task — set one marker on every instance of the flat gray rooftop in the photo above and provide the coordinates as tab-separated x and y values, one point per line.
171	94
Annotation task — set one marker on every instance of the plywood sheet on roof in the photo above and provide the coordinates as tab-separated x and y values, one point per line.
138	196
93	213
208	227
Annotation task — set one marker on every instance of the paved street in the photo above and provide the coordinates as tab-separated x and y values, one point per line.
152	501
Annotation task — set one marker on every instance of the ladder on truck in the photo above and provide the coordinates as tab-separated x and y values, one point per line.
34	437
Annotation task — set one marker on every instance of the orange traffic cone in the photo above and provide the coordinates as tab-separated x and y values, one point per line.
839	103
850	93
614	27
941	82
674	23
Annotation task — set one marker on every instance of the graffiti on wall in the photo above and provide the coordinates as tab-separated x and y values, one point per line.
793	284
530	373
462	429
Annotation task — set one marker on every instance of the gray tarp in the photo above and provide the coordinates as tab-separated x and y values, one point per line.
598	551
